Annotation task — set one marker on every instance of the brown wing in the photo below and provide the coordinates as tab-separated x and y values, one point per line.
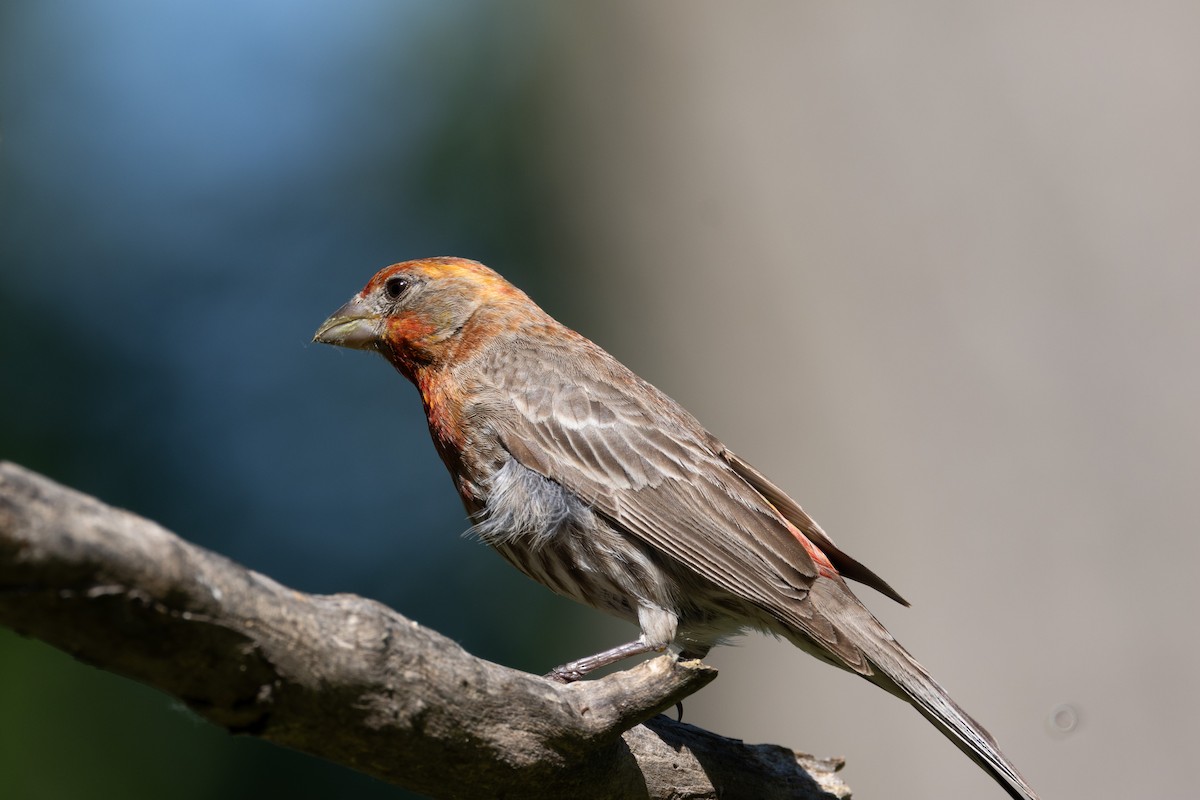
793	513
648	466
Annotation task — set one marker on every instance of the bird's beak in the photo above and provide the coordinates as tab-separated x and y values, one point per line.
352	325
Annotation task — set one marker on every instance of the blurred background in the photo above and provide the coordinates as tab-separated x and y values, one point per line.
934	268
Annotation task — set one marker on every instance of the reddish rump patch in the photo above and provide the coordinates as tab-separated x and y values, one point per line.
823	564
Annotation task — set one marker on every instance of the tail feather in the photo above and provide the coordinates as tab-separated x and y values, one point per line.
924	693
899	673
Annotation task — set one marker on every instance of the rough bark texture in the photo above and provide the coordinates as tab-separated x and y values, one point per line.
408	705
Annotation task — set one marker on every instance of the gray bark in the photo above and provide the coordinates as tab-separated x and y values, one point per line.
408	705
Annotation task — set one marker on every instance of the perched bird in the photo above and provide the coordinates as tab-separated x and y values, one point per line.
599	486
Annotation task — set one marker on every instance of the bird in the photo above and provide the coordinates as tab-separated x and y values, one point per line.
596	484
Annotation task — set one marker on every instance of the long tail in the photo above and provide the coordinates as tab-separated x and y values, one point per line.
899	673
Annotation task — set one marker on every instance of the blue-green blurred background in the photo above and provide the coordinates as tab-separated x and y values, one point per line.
931	266
188	190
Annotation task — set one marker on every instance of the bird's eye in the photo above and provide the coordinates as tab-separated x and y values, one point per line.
395	286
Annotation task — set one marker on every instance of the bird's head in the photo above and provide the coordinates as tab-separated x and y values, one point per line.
420	313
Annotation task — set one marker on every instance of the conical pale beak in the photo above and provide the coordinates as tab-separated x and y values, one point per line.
351	326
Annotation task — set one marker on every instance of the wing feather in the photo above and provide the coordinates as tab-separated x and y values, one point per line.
793	513
645	464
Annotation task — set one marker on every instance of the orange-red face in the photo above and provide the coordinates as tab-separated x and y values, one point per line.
414	311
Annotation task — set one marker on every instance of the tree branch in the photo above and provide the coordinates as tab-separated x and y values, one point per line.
409	706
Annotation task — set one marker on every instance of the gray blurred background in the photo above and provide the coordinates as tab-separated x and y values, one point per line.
934	268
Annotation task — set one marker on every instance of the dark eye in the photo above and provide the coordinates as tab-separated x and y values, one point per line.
395	286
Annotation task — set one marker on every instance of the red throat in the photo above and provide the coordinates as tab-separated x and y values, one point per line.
403	337
441	411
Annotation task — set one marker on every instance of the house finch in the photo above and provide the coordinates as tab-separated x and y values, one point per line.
599	486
